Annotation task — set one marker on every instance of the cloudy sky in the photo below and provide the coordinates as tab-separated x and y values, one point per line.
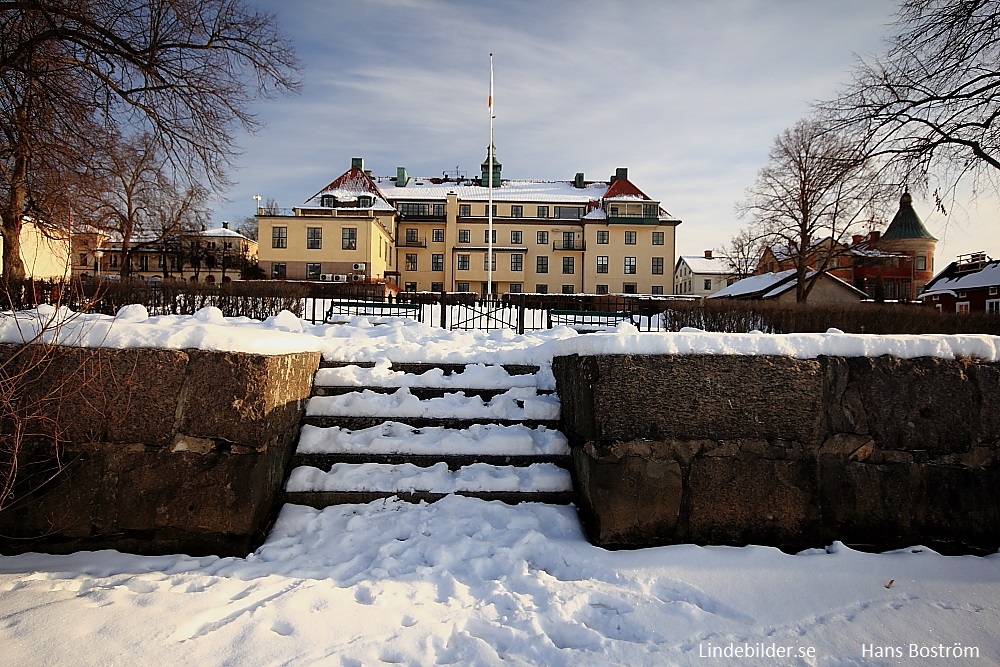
687	95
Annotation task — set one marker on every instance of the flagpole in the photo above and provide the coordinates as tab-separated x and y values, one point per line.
489	206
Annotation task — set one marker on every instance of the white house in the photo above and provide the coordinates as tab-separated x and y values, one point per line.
701	275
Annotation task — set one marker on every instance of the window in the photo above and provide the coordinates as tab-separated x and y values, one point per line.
411	236
630	238
144	262
657	268
277	269
568	289
437	287
517	211
413	209
630	265
438	210
603	236
349	238
516	238
486	236
462	287
83	259
279	237
542	238
708	283
313	270
629	288
657	238
437	262
437	235
993	290
568	265
113	260
464	211
657	290
465	236
411	261
602	263
541	264
920	263
543	212
516	262
516	288
567	212
541	289
486	210
409	287
463	265
487	264
314	238
650	211
159	261
602	289
568	242
962	307
993	306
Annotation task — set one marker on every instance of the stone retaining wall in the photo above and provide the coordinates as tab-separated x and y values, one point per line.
164	451
876	452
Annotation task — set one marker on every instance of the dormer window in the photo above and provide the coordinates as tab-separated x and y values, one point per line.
365	201
329	201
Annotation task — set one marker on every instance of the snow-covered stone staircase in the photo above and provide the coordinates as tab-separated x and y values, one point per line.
423	431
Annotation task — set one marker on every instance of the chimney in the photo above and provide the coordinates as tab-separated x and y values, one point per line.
856	239
621	173
578	180
225	224
708	254
873	237
358	163
401	177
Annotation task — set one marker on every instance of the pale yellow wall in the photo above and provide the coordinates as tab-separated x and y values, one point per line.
43	257
616	250
372	230
826	290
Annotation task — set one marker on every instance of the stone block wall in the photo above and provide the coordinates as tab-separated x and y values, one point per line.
162	451
878	452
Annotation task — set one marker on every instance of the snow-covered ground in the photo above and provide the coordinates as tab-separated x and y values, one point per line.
469	582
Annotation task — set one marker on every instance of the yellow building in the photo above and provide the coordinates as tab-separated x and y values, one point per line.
211	255
45	255
548	236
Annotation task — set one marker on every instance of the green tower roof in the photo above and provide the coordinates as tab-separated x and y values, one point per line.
906	223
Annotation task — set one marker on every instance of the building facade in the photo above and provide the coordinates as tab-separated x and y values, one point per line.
971	284
433	234
210	255
701	275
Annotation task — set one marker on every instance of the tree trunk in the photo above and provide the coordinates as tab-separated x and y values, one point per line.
13	220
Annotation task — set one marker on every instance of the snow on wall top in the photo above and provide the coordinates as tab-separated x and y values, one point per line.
407	341
418	189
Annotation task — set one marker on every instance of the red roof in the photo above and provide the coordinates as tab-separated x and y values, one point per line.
622	187
352	180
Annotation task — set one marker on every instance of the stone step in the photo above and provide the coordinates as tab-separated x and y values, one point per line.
327	460
321	499
362	422
418	368
423	393
364	482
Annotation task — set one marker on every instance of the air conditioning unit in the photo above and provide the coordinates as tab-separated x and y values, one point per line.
326	277
359	266
340	278
357	277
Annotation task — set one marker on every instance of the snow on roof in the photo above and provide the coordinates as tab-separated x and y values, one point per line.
988	276
223	232
419	189
754	284
708	265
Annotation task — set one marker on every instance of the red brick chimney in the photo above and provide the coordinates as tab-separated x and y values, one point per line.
856	239
708	254
874	236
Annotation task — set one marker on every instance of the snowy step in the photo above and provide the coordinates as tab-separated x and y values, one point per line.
419	368
394	442
362	409
352	483
423	393
483	380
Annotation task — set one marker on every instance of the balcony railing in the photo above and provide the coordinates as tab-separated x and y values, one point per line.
419	242
566	244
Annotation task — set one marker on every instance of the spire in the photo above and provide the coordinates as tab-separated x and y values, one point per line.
906	223
491	152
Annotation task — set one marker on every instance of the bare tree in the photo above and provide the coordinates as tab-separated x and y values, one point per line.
931	103
132	195
186	71
811	196
743	252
